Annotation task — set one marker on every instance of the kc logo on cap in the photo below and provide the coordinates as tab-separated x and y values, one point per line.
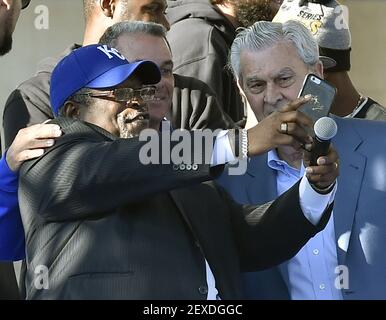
111	52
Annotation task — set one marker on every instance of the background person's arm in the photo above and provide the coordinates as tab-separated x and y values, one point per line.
28	144
11	227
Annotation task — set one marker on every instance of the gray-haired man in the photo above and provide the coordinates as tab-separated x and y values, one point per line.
327	21
345	260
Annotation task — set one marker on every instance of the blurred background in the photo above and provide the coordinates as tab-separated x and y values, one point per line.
47	27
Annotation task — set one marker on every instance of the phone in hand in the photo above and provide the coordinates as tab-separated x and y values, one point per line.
322	96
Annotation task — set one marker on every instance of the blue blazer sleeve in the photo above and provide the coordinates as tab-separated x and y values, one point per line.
11	228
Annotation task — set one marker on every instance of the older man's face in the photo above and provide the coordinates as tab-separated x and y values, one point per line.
272	77
122	119
148	47
8	19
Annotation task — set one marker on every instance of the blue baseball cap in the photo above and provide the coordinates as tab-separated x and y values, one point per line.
96	67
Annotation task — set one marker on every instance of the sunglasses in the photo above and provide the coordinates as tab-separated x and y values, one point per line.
126	94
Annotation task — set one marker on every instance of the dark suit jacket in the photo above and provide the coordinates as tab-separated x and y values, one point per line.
108	227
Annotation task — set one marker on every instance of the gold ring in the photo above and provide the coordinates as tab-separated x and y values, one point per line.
284	128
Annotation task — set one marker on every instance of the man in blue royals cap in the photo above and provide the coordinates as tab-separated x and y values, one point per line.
97	80
100	224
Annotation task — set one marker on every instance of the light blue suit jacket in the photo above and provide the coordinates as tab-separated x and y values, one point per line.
359	211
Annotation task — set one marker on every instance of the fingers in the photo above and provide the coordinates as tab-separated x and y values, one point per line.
327	170
297	132
295	104
40	143
297	117
29	154
30	143
42	131
37	136
325	174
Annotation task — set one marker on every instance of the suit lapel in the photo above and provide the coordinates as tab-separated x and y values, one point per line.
352	168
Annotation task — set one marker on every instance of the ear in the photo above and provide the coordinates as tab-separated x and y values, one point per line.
6	3
71	109
107	7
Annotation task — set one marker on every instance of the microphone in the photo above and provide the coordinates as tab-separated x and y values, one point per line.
325	129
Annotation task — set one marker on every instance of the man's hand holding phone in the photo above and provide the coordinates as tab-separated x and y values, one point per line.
285	127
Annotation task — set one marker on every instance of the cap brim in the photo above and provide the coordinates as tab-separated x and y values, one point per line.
25	4
327	62
147	71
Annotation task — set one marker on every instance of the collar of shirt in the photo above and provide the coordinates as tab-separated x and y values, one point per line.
283	167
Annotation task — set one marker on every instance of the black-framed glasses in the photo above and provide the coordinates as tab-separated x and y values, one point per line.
25	3
126	94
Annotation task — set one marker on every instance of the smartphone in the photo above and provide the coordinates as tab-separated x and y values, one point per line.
323	95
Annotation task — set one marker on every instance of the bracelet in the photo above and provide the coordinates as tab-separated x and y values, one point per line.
238	139
244	143
326	190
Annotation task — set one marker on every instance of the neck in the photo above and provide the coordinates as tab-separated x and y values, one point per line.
95	28
228	10
347	97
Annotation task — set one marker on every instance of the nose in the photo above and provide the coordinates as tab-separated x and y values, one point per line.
272	94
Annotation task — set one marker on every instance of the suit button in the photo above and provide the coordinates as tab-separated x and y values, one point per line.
188	167
203	290
182	167
195	167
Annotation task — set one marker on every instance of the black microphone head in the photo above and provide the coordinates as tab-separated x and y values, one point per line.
325	128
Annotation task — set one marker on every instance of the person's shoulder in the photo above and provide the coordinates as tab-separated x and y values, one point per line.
365	128
36	89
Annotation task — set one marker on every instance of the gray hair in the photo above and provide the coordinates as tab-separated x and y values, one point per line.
112	34
81	97
264	34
